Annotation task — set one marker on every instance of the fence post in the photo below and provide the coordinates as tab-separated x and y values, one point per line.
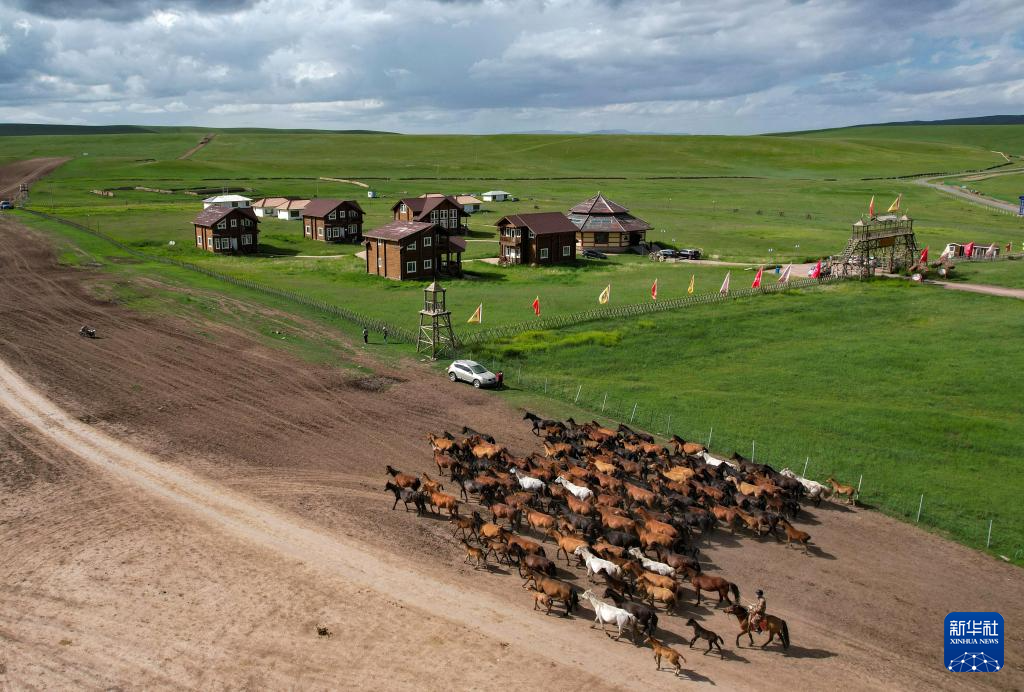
668	424
806	461
578	394
634	412
988	541
545	385
605	401
753	448
920	506
709	437
859	482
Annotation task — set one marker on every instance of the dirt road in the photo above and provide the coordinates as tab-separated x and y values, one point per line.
181	504
986	289
970	196
13	175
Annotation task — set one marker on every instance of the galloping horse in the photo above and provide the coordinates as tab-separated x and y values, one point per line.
606	614
840	489
774	625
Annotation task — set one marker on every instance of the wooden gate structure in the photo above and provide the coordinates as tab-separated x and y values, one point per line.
885	242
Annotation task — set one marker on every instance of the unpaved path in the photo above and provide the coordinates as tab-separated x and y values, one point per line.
159	548
13	175
1002	291
202	143
970	196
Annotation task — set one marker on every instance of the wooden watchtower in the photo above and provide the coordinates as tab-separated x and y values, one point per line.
885	242
435	336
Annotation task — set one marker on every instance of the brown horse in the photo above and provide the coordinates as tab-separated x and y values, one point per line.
684	447
840	489
795	534
668	653
774	625
708	582
556	589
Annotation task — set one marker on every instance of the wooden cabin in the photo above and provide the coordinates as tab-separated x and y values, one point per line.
226	229
333	220
541	238
413	250
606	226
445	211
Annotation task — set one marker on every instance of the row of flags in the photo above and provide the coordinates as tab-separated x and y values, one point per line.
894	207
605	296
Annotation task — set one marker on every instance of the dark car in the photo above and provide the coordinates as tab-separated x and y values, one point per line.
6	205
690	254
594	254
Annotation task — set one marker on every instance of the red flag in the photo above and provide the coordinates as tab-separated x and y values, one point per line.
871	207
1009	247
969	249
757	278
654	290
817	270
536	306
924	255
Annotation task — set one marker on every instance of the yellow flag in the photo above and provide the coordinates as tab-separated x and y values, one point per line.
895	206
693	277
606	295
477	316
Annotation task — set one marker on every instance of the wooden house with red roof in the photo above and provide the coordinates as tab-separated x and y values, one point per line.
606	226
541	238
445	211
333	220
413	250
227	229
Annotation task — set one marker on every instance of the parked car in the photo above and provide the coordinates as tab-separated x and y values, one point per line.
594	254
472	372
690	254
4	204
662	255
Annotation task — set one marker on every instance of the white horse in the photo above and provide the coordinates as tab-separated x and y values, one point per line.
528	482
596	565
581	492
606	614
652	565
815	490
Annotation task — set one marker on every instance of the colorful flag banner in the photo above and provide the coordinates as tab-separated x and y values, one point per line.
895	206
757	278
817	270
477	316
924	255
693	277
871	207
536	306
606	295
654	290
724	290
784	277
969	250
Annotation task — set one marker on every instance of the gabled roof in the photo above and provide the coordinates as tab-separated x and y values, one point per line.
322	207
422	206
226	198
541	222
211	215
497	192
270	202
295	204
598	204
467	199
457	242
398	230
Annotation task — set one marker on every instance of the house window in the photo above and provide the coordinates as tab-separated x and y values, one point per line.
234	204
234	222
433	216
428	241
331	216
247	239
565	251
543	253
601	238
209	242
428	264
199	239
307	229
402	209
246	222
410	246
410	267
222	225
352	213
532	235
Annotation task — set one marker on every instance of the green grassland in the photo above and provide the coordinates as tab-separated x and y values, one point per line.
1009	273
1008	139
902	383
1008	188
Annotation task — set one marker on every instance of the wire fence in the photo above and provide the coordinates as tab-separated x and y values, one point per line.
988	528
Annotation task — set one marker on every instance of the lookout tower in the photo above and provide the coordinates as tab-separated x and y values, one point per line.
885	242
436	336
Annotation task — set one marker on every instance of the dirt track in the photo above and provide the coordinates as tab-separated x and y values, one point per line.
205	501
28	171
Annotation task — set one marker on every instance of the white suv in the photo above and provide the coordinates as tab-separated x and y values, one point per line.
473	372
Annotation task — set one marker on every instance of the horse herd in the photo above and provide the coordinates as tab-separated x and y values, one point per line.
631	512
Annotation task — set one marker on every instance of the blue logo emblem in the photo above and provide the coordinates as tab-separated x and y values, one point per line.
974	642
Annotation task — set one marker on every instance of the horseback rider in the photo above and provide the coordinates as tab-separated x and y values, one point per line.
757	611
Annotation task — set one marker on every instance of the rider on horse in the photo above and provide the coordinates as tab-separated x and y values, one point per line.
756	612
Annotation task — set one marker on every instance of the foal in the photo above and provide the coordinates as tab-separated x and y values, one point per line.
706	634
670	654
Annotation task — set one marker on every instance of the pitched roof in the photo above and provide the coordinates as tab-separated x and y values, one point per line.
467	199
270	202
497	192
322	207
422	206
398	230
598	204
457	242
227	198
211	215
541	222
295	204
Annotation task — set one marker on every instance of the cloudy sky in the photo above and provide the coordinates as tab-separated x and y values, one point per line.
725	66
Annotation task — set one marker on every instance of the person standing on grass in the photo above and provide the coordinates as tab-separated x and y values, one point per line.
366	335
385	331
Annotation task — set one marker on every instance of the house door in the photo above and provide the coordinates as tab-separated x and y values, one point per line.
234	244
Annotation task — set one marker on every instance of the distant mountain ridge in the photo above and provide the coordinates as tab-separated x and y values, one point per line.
977	120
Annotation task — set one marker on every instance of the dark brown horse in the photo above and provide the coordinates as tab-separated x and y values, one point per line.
708	582
774	626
